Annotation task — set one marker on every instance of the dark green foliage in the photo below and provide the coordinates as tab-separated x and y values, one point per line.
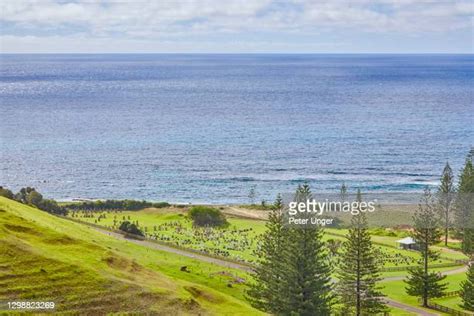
32	197
465	225
128	205
358	272
465	207
425	284
293	276
426	232
307	274
445	196
130	228
267	293
467	290
51	206
334	245
6	193
207	216
22	195
161	204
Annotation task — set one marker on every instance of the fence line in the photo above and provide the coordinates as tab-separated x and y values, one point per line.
404	268
448	310
456	261
452	293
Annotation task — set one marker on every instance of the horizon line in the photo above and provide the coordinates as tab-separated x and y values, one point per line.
235	53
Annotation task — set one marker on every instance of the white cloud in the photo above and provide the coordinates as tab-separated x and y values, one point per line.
204	19
84	44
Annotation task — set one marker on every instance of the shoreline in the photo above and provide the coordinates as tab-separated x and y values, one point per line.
395	198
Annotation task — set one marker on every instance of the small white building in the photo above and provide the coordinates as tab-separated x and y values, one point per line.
407	243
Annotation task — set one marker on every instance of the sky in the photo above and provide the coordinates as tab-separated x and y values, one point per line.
237	26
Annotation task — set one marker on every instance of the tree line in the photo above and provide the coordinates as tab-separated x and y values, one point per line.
32	197
293	275
127	205
450	198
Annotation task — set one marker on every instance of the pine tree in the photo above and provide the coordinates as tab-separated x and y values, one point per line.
358	272
465	224
465	207
445	199
267	292
426	233
306	275
467	290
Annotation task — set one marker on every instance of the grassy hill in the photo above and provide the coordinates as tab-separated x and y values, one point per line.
46	258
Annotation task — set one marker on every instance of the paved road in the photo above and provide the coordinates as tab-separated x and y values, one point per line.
409	308
448	272
234	265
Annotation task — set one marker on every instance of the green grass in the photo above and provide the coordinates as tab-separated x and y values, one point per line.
83	271
396	289
391	242
453	302
453	245
239	240
404	272
399	312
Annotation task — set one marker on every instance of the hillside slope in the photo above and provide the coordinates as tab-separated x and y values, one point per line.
46	258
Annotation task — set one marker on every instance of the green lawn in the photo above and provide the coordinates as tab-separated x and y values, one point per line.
452	251
49	256
238	241
453	302
404	273
51	259
396	289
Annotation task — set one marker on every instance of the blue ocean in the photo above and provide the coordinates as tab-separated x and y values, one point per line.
209	128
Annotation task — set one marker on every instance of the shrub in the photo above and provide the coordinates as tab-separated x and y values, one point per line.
21	196
6	193
207	216
130	228
34	198
51	206
161	204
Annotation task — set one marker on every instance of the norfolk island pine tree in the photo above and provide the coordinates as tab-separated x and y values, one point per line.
358	272
421	282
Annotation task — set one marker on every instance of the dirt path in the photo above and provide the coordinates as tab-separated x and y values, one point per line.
234	265
245	213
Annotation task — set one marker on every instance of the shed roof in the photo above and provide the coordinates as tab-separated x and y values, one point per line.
407	241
